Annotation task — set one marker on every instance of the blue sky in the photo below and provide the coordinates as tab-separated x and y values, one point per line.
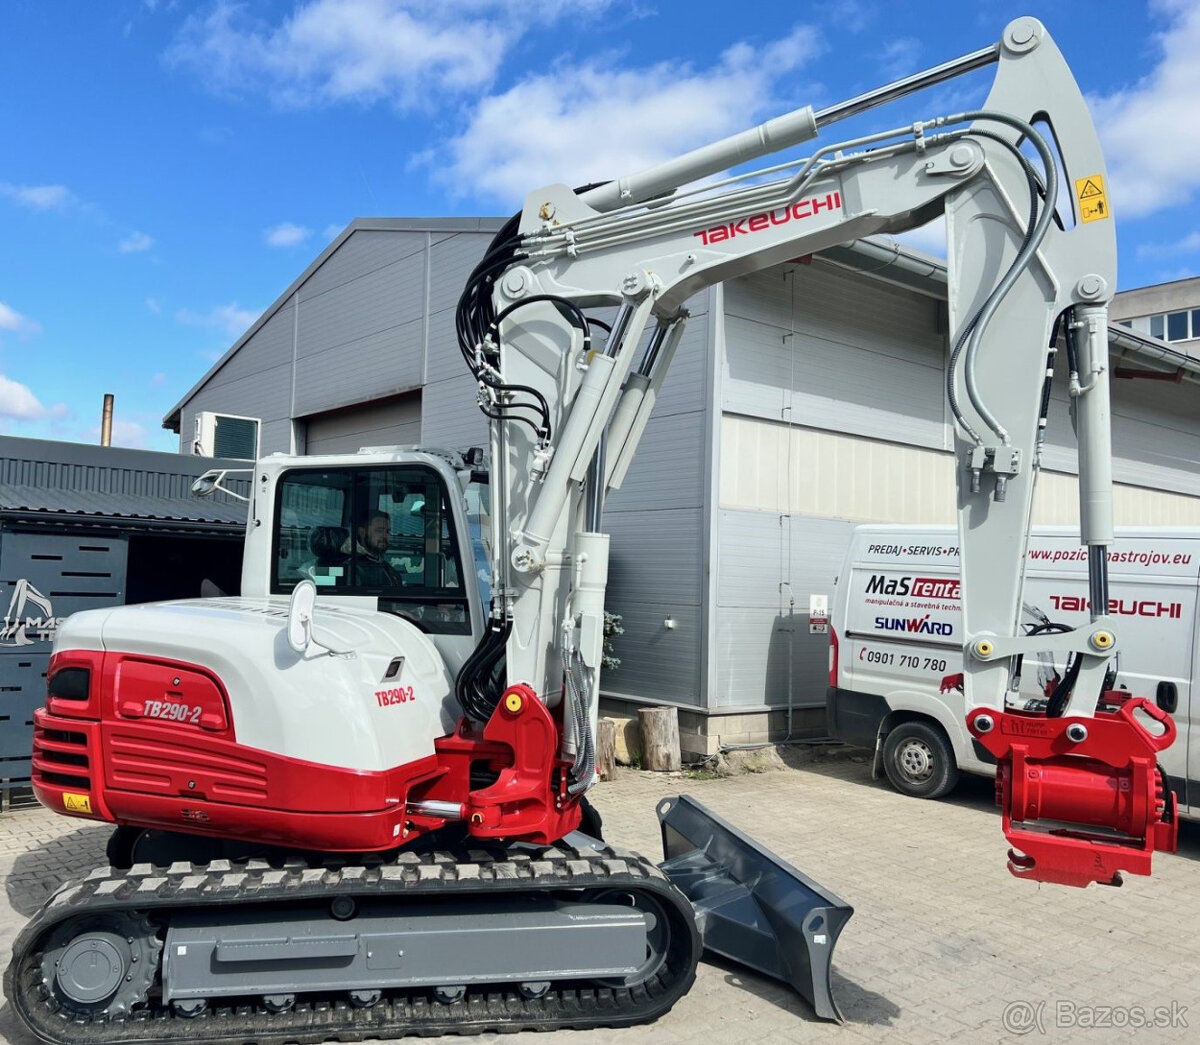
167	168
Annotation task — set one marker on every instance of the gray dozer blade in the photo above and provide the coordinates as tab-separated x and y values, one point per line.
751	907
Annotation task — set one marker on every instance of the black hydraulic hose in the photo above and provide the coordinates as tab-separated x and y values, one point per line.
1039	629
1072	346
542	406
1044	408
568	308
501	416
1057	703
474	312
476	685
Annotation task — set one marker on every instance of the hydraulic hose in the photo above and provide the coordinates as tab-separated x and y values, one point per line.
1028	248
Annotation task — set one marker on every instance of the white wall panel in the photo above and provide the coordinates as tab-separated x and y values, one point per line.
768	565
833	475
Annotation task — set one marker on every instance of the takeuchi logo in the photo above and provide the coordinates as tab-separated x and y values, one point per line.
20	624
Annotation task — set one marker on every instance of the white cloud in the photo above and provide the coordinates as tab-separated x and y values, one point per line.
285	234
331	51
129	434
1150	132
38	197
901	57
231	319
153	306
333	231
1189	244
17	402
588	122
135	243
12	320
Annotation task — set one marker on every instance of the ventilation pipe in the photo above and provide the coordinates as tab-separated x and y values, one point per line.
106	421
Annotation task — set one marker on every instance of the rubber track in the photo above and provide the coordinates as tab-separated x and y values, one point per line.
159	891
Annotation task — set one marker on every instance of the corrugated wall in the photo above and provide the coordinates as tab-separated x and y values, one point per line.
808	349
375	320
834	415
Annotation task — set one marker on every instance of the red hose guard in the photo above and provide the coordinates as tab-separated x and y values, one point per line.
1083	798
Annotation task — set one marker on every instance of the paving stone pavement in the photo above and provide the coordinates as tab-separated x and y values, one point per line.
944	945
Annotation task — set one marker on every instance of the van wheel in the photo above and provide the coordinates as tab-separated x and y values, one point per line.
919	761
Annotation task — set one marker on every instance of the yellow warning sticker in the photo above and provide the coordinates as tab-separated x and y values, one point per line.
1093	200
74	803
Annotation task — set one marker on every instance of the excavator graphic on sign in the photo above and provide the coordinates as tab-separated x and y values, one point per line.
17	624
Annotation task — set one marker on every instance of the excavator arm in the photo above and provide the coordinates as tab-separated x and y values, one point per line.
1032	254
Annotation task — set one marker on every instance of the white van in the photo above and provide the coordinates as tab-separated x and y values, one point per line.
896	634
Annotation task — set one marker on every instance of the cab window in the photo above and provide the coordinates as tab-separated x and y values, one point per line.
385	532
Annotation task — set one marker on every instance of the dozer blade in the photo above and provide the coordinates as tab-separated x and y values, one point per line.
752	907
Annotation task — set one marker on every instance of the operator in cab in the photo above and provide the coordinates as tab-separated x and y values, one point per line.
370	553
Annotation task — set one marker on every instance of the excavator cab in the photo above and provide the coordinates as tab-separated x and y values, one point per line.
393	533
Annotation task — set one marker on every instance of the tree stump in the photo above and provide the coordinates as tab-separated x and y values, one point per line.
606	748
660	738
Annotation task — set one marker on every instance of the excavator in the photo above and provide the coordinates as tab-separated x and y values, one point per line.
352	801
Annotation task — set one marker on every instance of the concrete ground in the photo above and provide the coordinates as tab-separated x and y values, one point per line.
944	944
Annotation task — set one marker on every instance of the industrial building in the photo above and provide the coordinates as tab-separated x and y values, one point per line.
82	527
803	400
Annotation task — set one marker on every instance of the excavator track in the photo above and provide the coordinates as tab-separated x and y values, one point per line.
152	896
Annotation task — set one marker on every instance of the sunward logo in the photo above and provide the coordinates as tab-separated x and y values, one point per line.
19	624
916	625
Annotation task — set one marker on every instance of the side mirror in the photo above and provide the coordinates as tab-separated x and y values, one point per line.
300	611
206	485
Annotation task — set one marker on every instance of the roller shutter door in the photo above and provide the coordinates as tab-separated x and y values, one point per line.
395	421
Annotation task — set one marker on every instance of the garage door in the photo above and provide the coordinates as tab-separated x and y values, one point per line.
390	422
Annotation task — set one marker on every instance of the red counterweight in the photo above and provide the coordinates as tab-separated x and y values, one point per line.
1083	798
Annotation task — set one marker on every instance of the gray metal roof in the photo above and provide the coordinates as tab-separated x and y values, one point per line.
491	225
42	477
